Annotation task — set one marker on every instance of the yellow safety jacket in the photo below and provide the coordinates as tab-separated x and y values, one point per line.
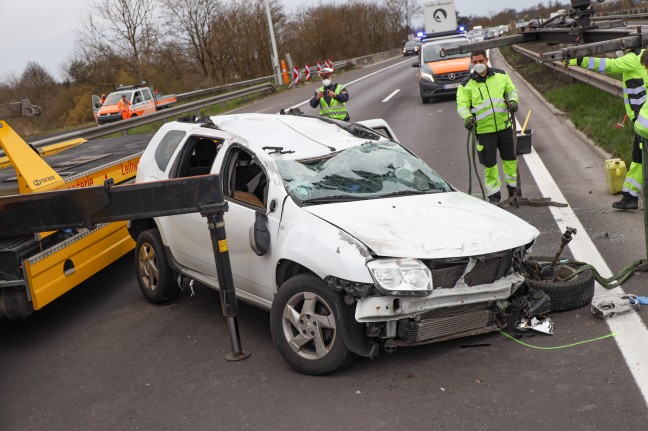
485	97
633	75
336	109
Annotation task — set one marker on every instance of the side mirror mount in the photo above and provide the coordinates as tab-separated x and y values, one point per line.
259	234
416	64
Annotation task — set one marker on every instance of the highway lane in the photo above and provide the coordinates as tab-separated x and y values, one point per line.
103	358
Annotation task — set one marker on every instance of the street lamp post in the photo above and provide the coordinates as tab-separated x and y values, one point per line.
275	56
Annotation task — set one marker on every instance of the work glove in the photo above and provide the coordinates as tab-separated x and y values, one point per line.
469	122
513	106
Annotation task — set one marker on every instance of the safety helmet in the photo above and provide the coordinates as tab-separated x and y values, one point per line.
325	71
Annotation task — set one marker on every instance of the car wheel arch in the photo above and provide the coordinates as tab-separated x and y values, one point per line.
136	227
287	269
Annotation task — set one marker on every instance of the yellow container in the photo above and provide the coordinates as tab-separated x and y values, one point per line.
615	172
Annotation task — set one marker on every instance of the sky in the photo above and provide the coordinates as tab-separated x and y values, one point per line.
43	30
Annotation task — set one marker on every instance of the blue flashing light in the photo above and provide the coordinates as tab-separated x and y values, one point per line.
420	34
461	28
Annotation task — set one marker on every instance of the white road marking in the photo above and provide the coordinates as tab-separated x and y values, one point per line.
359	79
630	329
386	99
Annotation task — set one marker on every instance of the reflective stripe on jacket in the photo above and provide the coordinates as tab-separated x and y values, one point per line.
633	75
485	98
336	109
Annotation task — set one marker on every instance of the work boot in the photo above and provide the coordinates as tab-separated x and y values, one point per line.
511	194
511	191
627	202
495	198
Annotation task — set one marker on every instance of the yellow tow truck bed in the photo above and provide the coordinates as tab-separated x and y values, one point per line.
36	269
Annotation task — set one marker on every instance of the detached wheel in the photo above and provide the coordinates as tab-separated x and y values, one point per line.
306	328
565	295
155	277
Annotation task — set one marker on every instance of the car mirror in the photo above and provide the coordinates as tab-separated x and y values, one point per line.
97	105
416	64
259	234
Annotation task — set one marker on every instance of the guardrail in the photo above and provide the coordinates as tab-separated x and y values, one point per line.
220	88
124	125
602	82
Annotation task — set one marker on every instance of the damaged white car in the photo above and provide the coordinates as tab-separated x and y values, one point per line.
352	242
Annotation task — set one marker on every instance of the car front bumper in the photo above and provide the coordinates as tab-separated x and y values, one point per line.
429	88
388	308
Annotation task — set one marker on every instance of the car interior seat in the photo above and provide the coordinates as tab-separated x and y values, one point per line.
249	181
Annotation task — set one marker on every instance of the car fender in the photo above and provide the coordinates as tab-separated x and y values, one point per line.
320	246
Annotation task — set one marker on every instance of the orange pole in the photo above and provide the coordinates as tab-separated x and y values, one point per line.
284	70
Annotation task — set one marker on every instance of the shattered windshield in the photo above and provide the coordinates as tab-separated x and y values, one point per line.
368	171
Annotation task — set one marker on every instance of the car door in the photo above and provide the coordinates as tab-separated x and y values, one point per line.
248	191
184	234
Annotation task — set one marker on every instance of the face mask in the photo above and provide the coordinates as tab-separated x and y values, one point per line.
479	68
326	82
619	54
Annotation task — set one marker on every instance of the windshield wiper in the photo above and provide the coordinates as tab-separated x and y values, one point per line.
411	192
336	198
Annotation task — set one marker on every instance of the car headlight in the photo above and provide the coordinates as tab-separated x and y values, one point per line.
401	277
428	76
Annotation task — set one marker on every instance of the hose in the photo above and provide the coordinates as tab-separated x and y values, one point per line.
615	280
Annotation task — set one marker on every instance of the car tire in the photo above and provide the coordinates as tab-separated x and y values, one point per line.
306	328
565	295
155	277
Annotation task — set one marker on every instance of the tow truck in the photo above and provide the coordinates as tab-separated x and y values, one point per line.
35	269
144	100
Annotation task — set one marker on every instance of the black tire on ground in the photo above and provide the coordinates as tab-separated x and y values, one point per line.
155	277
306	328
565	295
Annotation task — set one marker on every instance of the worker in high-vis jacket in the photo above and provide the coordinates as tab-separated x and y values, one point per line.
486	99
330	97
635	78
124	107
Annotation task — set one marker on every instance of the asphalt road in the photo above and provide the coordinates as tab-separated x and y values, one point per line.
101	357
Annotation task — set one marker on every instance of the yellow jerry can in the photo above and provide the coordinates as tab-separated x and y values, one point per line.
615	172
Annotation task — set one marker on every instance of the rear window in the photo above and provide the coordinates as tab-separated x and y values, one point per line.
167	147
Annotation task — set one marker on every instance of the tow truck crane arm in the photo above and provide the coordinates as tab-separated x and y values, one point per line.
576	28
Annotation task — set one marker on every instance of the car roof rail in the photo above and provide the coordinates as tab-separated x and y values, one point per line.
292	111
203	121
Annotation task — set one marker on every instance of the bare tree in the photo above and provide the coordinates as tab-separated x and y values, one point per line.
196	20
402	11
126	29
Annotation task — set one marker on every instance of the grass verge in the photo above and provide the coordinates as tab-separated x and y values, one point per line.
593	111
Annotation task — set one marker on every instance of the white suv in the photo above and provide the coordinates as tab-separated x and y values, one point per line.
351	241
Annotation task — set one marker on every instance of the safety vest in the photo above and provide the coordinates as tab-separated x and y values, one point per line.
336	110
485	98
633	75
124	108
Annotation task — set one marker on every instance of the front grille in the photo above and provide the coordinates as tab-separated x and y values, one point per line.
446	323
446	274
445	77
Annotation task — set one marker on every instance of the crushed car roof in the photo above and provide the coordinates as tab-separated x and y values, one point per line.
298	136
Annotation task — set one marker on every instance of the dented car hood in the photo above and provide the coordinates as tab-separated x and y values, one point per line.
428	226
